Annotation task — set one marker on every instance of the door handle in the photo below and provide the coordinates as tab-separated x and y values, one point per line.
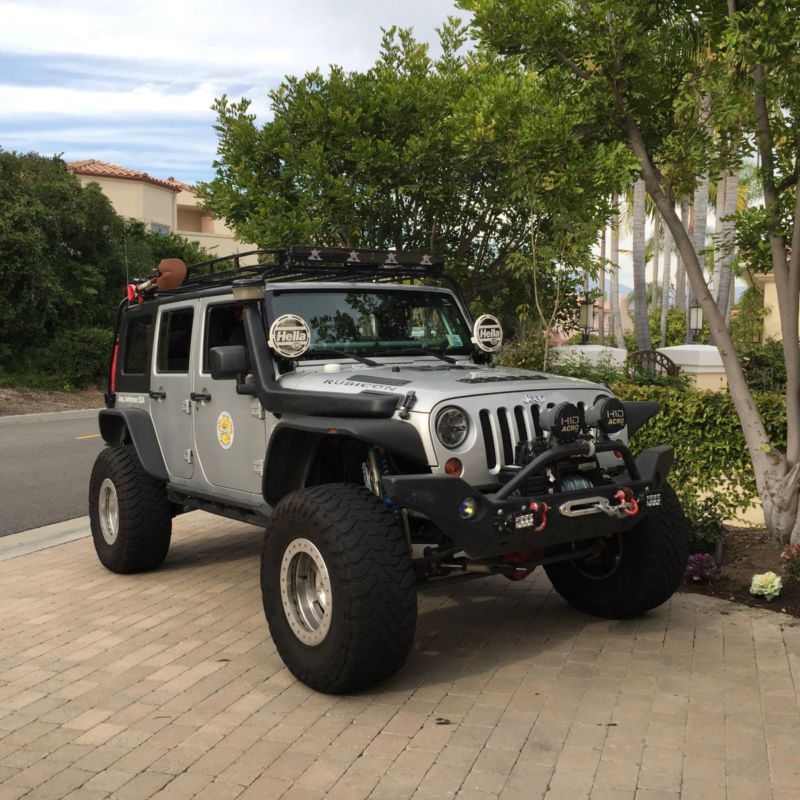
198	397
158	395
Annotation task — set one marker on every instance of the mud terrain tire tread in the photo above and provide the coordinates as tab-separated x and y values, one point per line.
374	592
653	564
145	513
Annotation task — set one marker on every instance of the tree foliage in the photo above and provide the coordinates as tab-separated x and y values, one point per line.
65	255
465	154
689	87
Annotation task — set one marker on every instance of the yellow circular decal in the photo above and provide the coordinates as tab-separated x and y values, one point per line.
225	430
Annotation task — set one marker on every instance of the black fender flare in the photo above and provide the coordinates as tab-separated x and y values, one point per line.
294	443
122	425
638	412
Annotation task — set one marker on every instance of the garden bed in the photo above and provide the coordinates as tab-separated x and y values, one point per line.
745	552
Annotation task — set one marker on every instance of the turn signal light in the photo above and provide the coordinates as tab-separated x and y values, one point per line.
454	467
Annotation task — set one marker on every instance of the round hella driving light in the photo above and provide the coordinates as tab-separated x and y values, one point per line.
452	427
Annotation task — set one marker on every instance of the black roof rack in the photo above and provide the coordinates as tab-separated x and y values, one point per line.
305	263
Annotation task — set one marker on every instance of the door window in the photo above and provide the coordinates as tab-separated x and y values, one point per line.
174	341
224	327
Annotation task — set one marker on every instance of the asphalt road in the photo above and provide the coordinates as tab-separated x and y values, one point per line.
45	462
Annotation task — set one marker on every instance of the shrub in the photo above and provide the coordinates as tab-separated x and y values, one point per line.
73	360
83	355
764	366
712	473
701	568
525	350
790	555
705	515
747	319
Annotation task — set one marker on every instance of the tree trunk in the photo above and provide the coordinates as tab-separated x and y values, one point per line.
727	228
680	270
656	253
781	502
777	477
665	286
616	319
639	274
601	312
700	208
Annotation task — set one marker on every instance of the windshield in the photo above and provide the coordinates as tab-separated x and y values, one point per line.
377	322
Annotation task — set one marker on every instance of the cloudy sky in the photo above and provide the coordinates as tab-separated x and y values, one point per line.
133	83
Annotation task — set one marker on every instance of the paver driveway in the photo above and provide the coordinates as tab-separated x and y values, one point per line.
168	685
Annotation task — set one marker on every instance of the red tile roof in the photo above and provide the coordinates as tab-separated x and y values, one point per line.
184	187
102	169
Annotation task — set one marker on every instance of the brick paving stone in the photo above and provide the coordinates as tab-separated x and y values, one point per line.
167	685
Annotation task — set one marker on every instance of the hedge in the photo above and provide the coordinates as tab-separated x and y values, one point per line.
713	474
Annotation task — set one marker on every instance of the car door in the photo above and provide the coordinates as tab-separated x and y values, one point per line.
229	429
171	385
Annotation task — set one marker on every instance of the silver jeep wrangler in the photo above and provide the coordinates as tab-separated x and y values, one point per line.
345	401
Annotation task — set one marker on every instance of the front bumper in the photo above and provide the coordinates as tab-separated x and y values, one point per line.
491	531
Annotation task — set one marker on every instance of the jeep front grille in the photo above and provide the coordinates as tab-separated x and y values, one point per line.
503	428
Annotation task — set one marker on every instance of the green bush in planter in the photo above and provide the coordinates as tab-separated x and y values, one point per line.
712	474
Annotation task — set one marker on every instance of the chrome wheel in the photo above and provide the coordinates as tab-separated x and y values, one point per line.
108	511
306	592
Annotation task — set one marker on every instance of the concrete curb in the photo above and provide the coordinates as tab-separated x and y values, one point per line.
35	539
47	416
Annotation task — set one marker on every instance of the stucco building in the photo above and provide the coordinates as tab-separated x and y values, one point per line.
164	205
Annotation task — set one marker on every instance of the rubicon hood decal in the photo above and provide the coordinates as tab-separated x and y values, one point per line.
434	383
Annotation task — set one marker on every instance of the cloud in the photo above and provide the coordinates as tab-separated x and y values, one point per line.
134	82
144	99
282	36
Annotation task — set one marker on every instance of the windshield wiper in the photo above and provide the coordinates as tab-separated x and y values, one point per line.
424	351
328	351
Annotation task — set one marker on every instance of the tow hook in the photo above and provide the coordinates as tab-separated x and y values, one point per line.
626	505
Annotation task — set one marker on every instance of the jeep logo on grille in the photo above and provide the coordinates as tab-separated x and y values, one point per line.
487	333
289	336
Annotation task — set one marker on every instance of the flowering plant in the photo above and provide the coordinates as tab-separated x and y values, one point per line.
701	568
791	557
767	584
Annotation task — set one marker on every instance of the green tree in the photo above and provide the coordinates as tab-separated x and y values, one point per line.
642	69
65	257
57	257
465	154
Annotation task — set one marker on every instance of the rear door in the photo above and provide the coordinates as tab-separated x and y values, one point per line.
171	386
229	428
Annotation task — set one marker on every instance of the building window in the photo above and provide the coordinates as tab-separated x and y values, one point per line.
157	227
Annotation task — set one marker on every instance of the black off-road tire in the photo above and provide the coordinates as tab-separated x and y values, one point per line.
373	604
144	526
652	562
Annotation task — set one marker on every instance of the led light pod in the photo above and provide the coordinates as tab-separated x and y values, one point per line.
563	421
607	415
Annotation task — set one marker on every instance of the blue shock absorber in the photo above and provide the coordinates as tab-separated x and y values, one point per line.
385	468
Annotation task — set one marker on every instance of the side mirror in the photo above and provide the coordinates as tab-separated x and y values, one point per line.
228	362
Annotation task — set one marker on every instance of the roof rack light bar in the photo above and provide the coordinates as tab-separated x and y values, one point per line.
353	257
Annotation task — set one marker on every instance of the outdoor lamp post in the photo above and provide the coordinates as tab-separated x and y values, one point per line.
587	318
695	320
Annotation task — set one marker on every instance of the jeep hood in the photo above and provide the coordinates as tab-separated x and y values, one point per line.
433	381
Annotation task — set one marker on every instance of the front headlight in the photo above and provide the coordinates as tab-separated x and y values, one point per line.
452	427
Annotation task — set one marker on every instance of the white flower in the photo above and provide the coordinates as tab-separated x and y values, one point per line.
767	584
